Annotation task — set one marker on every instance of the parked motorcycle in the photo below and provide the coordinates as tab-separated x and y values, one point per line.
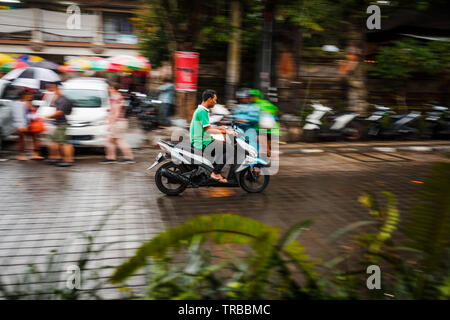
187	169
437	123
385	123
133	102
148	117
323	123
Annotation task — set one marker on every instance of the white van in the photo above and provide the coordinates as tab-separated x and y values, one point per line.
88	120
6	116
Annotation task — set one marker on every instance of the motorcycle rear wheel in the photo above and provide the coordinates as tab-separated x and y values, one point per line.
358	133
163	183
251	186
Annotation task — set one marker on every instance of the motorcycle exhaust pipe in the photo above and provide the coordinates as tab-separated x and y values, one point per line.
174	176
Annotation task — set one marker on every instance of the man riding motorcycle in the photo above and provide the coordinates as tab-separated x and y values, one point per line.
201	131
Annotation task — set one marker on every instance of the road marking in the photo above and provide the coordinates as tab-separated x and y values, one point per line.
419	148
441	148
362	157
347	149
385	149
387	157
311	150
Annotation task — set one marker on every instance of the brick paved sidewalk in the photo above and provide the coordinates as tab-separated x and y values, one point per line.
43	207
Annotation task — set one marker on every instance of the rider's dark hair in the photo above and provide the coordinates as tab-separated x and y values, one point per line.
208	94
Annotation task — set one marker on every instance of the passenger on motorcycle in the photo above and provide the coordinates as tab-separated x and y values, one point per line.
247	115
201	130
268	122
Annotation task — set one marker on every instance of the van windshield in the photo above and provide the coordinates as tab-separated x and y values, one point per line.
85	98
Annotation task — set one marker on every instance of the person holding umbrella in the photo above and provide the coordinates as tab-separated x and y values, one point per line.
59	140
23	114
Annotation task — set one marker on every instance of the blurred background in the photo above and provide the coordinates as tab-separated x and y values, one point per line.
347	70
294	51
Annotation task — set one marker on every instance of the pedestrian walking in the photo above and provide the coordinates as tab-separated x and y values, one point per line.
117	127
166	98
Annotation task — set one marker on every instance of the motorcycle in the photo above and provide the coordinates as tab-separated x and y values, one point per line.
189	169
322	122
384	122
437	122
148	118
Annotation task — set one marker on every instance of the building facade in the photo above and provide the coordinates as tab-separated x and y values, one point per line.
58	29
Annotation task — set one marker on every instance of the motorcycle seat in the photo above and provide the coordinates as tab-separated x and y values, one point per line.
382	108
184	146
440	108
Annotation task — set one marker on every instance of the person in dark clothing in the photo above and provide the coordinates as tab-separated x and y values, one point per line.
59	139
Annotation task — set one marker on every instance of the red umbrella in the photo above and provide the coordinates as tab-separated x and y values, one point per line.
14	65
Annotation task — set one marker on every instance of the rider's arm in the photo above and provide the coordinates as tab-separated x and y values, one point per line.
212	130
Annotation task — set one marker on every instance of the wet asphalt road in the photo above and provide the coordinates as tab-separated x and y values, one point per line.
44	207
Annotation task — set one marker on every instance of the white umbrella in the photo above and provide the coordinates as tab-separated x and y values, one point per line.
27	83
40	74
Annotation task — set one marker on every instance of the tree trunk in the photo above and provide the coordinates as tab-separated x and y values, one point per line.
265	67
356	77
234	52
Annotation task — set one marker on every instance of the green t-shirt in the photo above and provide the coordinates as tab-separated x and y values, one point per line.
200	120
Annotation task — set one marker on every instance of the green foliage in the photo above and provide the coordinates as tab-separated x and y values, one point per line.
227	256
428	230
445	289
263	274
390	218
405	58
166	26
425	274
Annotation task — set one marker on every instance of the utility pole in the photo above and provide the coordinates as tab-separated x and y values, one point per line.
234	52
266	48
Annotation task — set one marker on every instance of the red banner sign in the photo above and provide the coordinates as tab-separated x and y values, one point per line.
186	70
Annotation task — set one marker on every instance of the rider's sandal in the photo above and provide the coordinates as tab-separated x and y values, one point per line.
221	179
36	157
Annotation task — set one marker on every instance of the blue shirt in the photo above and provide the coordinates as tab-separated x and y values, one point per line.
166	95
248	112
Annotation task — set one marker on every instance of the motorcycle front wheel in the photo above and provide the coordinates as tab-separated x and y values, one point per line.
171	188
253	182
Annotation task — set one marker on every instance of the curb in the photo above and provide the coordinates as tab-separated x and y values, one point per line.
389	149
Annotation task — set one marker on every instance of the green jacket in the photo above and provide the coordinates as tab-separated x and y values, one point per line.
267	106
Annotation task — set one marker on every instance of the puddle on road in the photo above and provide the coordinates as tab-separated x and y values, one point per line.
217	192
